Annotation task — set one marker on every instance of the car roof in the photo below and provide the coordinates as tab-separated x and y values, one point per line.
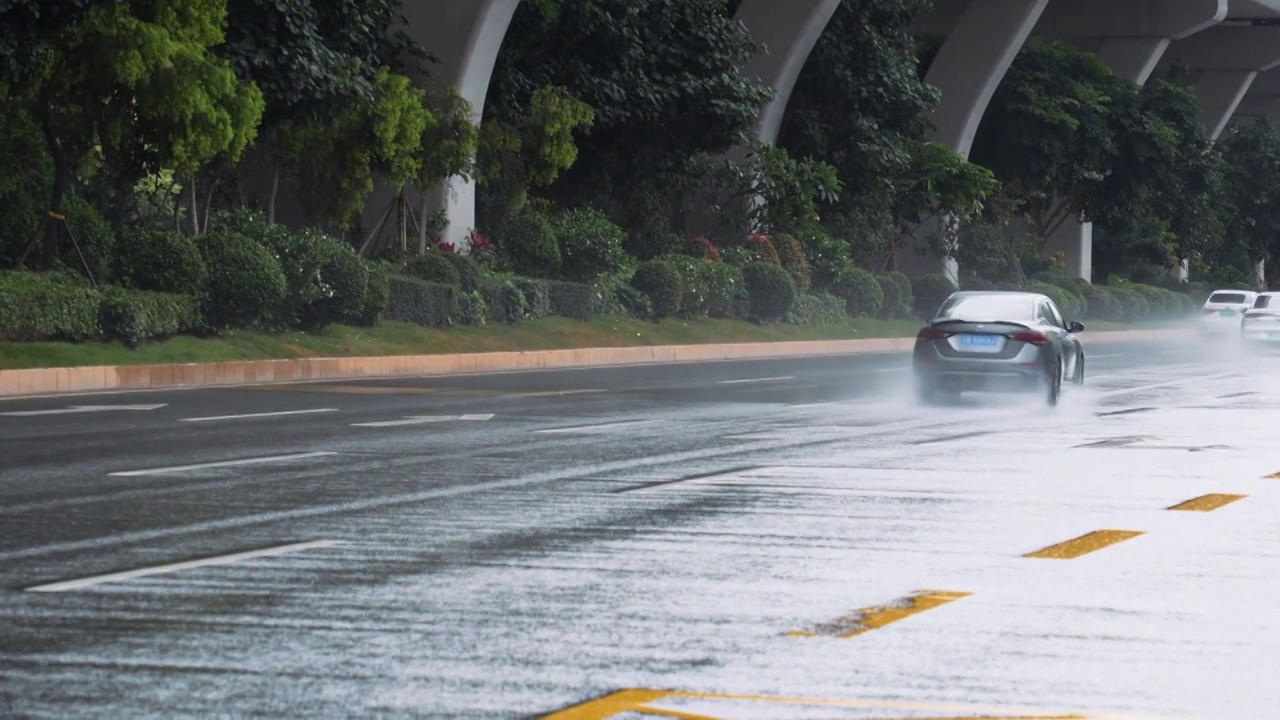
1233	290
1007	293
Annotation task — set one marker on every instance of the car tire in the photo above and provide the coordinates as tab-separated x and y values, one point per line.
1054	382
1078	377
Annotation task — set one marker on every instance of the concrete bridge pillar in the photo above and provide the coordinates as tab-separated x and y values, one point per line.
465	35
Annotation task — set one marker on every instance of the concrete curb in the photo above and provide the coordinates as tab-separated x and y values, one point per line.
48	381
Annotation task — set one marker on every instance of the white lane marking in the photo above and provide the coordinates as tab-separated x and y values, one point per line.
890	370
602	427
422	420
756	380
176	567
1103	357
83	409
250	416
1170	383
220	464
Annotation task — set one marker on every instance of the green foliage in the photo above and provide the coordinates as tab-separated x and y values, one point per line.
614	296
423	303
765	189
25	174
537	297
1069	303
891	304
161	261
342	284
861	291
928	292
1134	305
726	290
770	290
663	284
791	255
377	293
695	298
93	237
590	244
246	285
34	306
1103	304
529	243
471	308
468	271
818	308
572	300
904	292
505	302
826	256
1252	197
134	316
434	266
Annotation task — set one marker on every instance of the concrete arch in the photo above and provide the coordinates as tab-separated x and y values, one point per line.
789	32
466	36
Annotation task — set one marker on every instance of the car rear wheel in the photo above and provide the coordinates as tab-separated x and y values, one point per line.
1078	377
929	392
1054	382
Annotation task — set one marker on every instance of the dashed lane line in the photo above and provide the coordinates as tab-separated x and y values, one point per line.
220	464
872	618
744	381
254	416
1207	503
88	582
1085	544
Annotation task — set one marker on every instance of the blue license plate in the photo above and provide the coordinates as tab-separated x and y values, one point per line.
979	340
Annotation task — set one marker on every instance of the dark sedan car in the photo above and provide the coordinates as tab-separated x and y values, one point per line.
997	342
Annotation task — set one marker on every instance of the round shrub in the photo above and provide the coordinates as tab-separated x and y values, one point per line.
928	293
791	254
343	283
904	291
134	316
861	291
93	235
891	305
591	245
1156	300
694	300
662	284
246	284
529	243
1071	305
817	309
725	289
434	266
162	261
738	257
770	291
763	248
467	269
826	255
377	295
1103	304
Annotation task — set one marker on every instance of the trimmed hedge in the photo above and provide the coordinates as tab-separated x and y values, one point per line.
861	291
435	267
770	290
904	291
662	284
504	301
246	284
34	306
162	261
818	308
468	271
1070	304
377	293
342	285
134	316
726	290
572	300
928	293
1103	304
537	297
591	245
423	303
529	243
695	300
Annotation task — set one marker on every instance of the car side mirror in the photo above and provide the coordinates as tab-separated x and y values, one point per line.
1075	326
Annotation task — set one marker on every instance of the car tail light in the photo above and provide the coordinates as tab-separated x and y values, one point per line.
931	333
1035	338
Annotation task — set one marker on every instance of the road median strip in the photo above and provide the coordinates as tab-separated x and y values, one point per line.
51	381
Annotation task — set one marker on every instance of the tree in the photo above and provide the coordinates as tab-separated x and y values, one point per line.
662	76
1251	152
860	105
1052	135
136	83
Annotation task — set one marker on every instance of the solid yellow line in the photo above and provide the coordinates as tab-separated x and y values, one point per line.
1084	544
1207	503
871	618
609	705
1273	476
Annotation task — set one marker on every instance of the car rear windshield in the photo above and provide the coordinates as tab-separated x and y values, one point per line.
988	307
1225	297
1265	301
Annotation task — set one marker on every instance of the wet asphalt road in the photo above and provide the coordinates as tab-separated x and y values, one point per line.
513	545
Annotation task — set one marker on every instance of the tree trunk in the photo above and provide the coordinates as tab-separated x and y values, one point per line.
195	206
61	180
271	203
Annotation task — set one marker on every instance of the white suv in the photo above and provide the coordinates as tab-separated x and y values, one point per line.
1225	309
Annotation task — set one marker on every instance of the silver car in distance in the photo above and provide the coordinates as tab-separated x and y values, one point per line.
997	342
